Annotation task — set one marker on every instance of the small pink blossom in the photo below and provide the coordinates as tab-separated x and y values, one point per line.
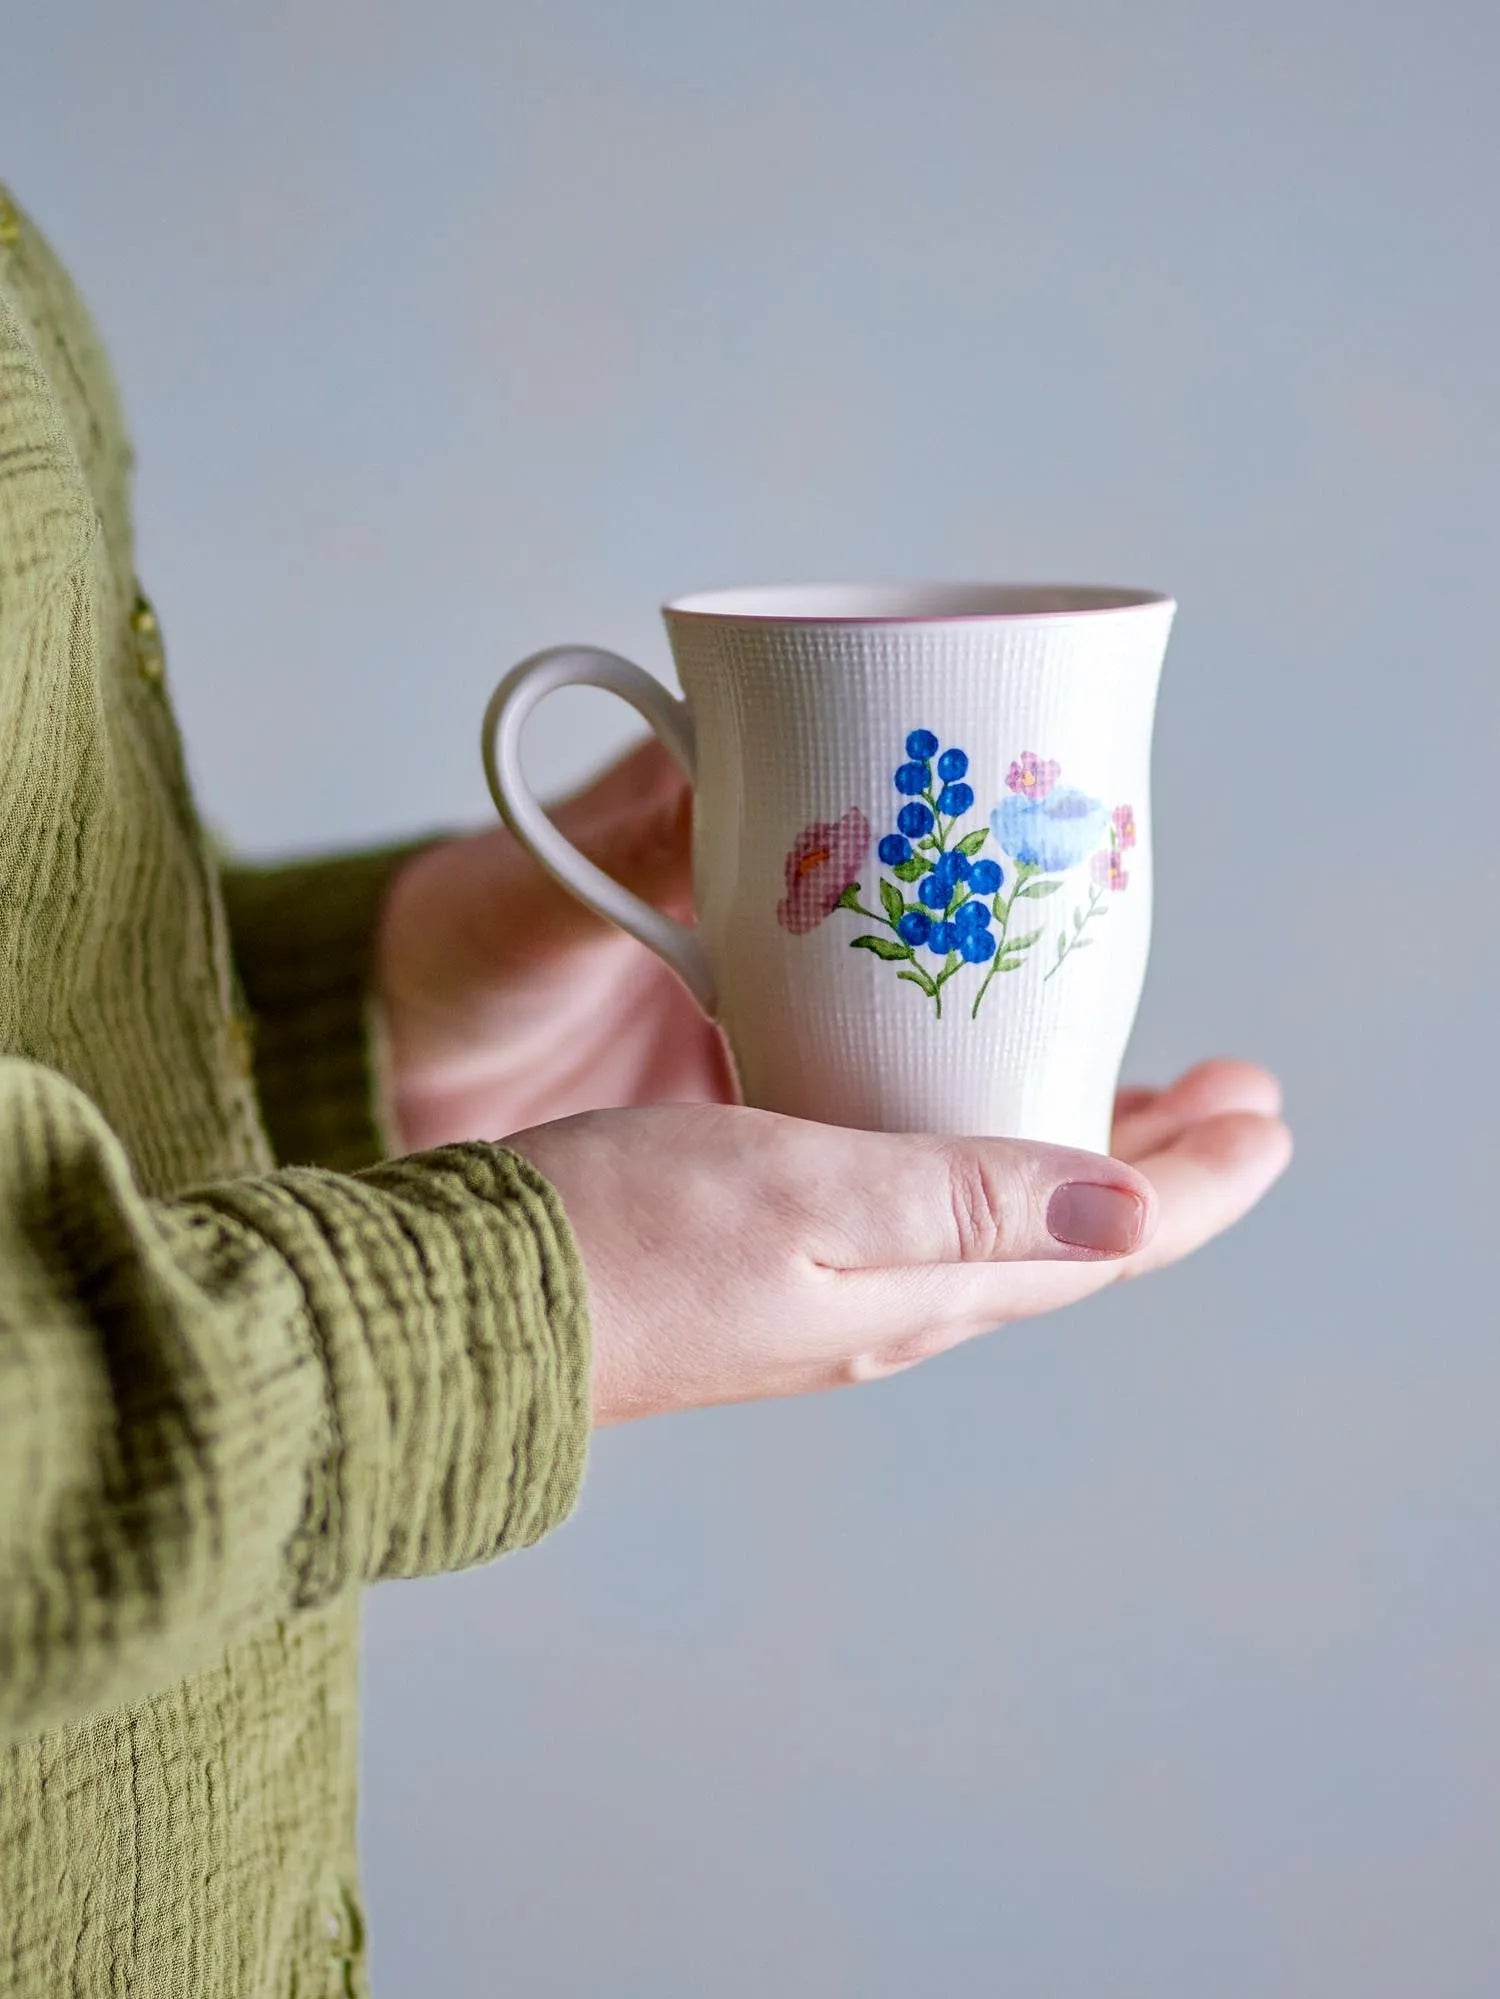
1032	776
1124	824
1109	869
825	858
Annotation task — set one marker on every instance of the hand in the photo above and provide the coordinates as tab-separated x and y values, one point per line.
507	1003
734	1255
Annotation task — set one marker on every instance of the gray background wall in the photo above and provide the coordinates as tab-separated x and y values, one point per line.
1149	1651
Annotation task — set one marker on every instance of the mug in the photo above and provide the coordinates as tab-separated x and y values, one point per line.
921	842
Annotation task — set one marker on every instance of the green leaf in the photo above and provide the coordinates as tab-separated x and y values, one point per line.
918	979
925	846
1083	943
1025	868
883	947
850	898
1024	942
1010	964
1062	949
1040	888
892	902
1077	920
910	871
972	842
959	897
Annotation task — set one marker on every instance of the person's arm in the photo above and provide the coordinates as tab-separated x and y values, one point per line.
303	937
217	1409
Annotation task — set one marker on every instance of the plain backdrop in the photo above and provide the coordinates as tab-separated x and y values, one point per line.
1151	1652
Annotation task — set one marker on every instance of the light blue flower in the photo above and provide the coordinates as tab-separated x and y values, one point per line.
1054	833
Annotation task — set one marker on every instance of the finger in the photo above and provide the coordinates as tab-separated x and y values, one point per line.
651	852
885	1200
635	822
644	774
1130	1101
1210	1175
1206	1180
1147	1121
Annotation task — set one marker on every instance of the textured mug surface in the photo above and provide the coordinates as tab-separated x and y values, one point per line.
921	849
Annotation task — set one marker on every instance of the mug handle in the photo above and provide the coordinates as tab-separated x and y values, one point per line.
510	704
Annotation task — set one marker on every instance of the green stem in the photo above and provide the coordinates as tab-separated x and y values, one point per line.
1096	897
923	978
1002	917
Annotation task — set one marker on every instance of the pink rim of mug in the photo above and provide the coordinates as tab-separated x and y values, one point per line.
911	603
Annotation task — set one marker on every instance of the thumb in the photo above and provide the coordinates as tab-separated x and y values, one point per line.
898	1201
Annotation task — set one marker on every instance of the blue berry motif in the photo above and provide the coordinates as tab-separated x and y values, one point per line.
943	908
951	868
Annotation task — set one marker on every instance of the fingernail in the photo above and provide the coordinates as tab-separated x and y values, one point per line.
1105	1219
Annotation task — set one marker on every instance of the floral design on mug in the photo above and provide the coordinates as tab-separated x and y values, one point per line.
933	906
1032	777
826	858
961	914
1108	875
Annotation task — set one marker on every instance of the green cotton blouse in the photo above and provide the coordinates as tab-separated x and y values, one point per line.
245	1368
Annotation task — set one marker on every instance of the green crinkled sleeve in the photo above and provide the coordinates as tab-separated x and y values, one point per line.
217	1409
303	938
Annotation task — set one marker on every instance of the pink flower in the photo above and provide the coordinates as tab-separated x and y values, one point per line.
825	858
1124	823
1109	869
1032	777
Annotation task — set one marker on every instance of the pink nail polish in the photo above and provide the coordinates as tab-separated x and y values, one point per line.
1107	1220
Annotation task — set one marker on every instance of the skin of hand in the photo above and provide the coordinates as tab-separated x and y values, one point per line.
733	1254
506	1003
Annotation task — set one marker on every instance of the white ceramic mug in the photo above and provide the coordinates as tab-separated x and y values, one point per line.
921	842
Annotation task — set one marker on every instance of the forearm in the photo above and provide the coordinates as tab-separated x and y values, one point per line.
216	1410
